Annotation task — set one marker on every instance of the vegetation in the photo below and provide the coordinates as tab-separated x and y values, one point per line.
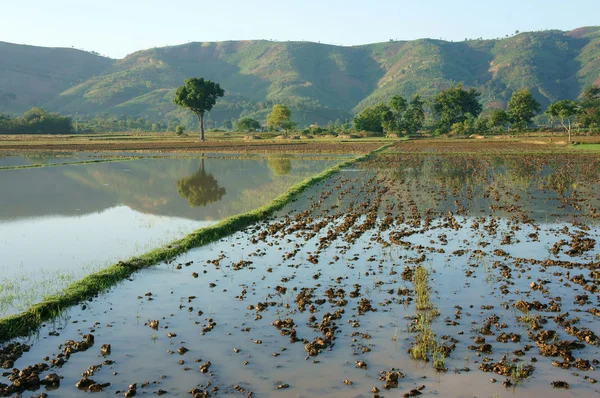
564	111
280	118
199	96
374	118
397	117
589	115
247	124
36	121
454	106
522	107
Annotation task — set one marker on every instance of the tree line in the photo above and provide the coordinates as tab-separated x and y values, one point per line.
459	110
454	109
36	121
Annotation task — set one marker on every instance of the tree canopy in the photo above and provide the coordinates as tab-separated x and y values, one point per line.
522	107
374	118
455	105
280	117
590	107
564	111
36	121
199	96
247	124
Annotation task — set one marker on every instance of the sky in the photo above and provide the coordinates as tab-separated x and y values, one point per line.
116	28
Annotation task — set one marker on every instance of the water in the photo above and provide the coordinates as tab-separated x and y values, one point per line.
483	229
60	223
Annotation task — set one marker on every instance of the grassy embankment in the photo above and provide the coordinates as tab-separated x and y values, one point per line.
81	162
90	286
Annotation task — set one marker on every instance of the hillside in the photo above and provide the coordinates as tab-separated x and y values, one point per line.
32	76
321	82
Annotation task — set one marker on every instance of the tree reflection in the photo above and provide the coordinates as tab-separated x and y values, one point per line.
201	188
279	166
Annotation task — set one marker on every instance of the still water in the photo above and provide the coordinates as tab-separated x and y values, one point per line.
59	223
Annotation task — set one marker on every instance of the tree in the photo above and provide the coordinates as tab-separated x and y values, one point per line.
398	106
590	107
227	124
247	124
414	117
35	115
201	188
565	111
522	107
375	118
455	105
199	96
280	117
482	125
179	130
498	119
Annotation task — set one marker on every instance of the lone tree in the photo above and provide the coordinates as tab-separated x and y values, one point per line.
199	96
565	111
280	117
522	107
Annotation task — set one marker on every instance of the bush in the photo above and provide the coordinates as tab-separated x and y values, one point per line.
179	130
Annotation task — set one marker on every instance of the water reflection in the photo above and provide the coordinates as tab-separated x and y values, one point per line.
279	166
201	188
79	218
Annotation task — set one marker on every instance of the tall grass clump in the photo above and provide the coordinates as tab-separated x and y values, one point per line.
425	346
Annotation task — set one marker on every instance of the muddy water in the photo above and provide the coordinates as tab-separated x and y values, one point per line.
60	223
483	233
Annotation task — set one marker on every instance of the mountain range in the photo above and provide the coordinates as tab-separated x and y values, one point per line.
320	82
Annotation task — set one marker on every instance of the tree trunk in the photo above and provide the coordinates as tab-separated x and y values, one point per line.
201	122
569	131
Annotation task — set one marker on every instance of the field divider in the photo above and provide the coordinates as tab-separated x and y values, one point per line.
90	286
81	162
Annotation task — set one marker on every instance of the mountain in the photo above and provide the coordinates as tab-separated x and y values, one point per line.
320	82
33	76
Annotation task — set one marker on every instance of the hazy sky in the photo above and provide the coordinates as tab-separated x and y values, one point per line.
119	27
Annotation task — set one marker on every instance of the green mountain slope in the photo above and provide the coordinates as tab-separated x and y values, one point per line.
32	76
320	82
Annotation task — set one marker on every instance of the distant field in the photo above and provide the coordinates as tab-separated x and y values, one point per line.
237	142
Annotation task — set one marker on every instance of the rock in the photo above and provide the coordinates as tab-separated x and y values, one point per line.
105	349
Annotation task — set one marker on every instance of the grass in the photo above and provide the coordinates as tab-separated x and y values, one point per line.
90	286
425	346
33	166
519	372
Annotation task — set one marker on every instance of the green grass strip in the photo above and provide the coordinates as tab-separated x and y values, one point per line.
33	166
25	323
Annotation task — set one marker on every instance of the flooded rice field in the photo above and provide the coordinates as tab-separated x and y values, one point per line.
60	223
434	275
